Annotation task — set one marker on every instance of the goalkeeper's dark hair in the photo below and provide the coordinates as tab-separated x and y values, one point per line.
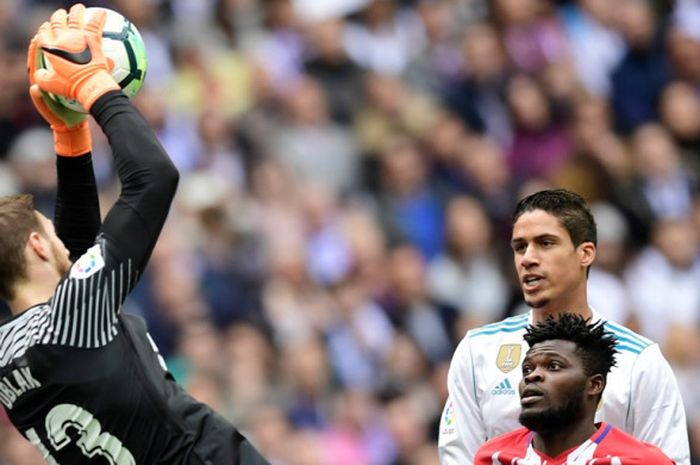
594	344
17	221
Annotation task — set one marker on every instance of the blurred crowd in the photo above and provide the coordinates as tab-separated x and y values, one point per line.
348	172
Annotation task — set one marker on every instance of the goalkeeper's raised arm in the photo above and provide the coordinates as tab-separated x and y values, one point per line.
86	379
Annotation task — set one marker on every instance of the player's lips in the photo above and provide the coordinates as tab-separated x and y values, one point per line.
531	281
530	395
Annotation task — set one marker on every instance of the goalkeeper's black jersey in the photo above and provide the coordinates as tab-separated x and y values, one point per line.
79	378
85	384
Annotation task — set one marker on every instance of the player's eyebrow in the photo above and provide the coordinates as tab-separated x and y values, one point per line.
539	237
548	354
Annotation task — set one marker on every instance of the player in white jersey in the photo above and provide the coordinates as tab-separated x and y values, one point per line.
554	237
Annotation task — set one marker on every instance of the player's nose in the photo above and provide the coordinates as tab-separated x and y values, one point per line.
535	376
529	257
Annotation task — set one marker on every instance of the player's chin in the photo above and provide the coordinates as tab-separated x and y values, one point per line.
526	412
536	302
531	417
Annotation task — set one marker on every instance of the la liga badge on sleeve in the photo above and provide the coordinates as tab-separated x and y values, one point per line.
88	264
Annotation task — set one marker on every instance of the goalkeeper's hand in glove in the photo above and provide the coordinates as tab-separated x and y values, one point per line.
79	69
71	133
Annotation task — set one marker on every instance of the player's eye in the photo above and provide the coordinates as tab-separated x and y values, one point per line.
554	365
527	369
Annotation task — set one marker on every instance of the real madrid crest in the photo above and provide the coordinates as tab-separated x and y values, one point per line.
508	357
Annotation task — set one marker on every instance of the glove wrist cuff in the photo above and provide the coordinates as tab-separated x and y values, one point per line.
93	87
72	142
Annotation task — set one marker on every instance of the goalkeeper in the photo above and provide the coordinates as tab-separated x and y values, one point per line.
78	378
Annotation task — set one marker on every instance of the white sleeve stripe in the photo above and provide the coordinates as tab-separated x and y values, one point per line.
78	312
99	310
112	295
98	315
61	316
85	310
94	310
24	332
70	316
75	299
110	307
37	329
32	330
58	313
104	315
3	337
65	321
122	287
89	310
18	338
43	327
82	314
49	329
66	316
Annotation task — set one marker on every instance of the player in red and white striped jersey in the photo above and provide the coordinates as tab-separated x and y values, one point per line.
564	375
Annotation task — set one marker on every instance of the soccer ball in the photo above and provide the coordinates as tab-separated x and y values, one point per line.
123	45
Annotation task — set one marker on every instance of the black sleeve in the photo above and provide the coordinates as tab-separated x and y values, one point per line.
77	217
148	180
87	302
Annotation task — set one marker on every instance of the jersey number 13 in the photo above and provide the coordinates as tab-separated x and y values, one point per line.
91	440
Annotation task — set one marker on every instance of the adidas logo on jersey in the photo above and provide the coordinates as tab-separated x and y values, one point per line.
504	388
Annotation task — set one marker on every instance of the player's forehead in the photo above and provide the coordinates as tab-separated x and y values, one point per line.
537	223
558	348
44	221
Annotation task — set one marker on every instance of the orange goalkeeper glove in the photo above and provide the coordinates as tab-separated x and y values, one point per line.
68	141
71	133
79	69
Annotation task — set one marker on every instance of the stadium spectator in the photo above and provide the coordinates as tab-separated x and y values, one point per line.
468	276
639	78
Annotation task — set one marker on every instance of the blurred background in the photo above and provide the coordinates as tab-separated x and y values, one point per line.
349	168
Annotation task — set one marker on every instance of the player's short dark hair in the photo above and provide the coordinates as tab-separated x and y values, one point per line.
569	207
17	220
595	345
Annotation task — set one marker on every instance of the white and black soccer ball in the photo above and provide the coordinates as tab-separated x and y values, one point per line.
123	45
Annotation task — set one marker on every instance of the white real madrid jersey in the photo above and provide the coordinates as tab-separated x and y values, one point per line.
641	396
